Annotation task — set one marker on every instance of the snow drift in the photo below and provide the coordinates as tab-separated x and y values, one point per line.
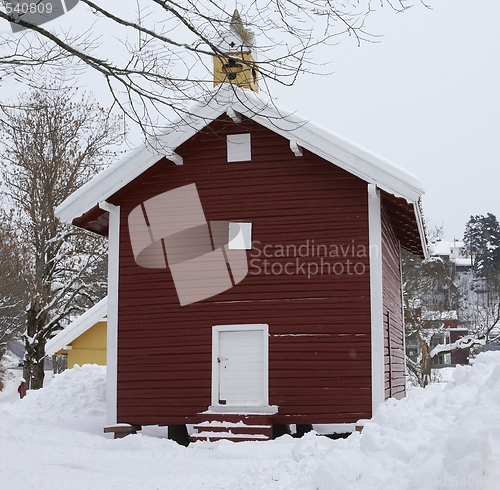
434	438
77	392
441	437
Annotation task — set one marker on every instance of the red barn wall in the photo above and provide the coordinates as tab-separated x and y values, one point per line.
394	354
319	327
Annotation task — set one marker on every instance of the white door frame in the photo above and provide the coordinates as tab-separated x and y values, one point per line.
264	408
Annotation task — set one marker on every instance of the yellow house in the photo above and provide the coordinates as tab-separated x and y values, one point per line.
83	340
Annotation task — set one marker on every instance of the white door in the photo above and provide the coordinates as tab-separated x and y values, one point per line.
241	367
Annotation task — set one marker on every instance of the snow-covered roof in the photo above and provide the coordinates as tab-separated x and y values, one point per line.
443	247
440	315
453	250
77	327
440	248
230	99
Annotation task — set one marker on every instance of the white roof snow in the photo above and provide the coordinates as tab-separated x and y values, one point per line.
229	99
464	262
443	247
440	315
77	327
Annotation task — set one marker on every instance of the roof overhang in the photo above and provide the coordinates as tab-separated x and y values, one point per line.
82	207
77	327
407	223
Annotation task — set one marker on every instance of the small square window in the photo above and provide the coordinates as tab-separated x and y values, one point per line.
239	148
240	236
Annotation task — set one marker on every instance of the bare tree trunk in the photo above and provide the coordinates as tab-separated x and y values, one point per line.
33	370
425	362
35	347
59	363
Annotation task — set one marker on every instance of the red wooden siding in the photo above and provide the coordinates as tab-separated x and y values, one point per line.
394	355
319	327
460	356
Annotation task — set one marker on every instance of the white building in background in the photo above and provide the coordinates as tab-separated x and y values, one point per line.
453	251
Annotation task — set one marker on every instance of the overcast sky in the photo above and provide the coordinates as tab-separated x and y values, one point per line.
426	97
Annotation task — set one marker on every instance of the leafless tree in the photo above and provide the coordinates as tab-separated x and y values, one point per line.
434	287
479	312
52	145
12	285
428	287
152	54
480	307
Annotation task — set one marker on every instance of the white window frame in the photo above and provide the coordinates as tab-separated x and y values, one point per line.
243	238
239	147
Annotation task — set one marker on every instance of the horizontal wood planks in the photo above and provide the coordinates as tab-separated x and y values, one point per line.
394	354
317	305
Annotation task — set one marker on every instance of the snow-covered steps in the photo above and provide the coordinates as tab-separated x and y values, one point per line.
233	427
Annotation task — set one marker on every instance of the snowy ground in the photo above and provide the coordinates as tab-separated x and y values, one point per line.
446	436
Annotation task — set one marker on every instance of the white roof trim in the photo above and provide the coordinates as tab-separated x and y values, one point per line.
227	98
77	327
421	229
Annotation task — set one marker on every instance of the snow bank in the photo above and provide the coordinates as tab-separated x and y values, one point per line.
77	392
59	431
305	454
435	438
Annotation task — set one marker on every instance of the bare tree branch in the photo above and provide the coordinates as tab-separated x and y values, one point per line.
165	43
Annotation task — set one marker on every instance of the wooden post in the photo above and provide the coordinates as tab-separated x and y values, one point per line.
122	430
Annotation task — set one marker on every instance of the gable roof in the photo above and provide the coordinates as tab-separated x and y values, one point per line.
234	101
77	327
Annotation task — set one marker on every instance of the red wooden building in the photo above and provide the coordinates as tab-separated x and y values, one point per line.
309	330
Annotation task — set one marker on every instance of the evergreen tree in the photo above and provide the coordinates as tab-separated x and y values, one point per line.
481	307
482	241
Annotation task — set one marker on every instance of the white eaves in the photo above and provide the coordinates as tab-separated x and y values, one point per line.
77	327
328	145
